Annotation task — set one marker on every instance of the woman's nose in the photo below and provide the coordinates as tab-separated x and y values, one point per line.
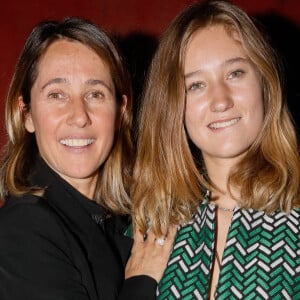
78	114
221	98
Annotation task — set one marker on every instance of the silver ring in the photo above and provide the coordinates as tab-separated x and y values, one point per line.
160	241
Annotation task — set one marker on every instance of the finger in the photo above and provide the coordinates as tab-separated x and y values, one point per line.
138	236
150	236
172	232
138	242
169	239
160	241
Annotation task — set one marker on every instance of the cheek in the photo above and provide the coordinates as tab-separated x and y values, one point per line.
107	120
188	119
194	120
256	116
258	113
258	107
44	132
46	124
194	113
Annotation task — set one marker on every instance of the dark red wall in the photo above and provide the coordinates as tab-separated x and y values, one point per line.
17	17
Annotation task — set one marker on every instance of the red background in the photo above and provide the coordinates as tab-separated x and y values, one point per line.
123	17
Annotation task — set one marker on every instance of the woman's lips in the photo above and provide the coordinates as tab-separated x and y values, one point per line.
76	142
223	124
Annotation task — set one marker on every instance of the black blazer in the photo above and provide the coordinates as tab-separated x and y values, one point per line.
51	248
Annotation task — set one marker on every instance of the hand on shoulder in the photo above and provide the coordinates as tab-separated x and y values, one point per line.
150	256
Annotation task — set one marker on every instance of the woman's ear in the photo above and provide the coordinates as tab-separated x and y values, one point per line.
122	111
28	123
124	104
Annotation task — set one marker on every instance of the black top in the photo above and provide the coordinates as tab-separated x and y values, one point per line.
51	247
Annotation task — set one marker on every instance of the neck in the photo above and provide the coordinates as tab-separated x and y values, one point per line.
218	172
84	186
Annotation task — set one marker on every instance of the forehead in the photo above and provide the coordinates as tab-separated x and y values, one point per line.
63	56
69	49
213	42
214	35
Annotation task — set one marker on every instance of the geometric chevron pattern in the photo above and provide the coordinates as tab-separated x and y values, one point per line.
261	259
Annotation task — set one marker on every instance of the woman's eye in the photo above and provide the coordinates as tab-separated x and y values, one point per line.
95	95
236	74
56	95
195	86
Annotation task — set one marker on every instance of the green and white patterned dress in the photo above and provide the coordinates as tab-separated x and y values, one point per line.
261	258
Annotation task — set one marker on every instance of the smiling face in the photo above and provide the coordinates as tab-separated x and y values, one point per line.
73	113
224	105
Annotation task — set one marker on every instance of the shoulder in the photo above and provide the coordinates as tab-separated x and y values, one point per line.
293	220
274	223
21	207
292	216
29	220
296	211
35	254
28	208
31	236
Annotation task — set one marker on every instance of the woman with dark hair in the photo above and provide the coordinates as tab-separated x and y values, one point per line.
66	173
218	155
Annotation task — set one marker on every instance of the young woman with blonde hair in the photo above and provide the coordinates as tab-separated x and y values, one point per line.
218	155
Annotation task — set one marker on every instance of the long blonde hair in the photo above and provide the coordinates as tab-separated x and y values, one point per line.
169	182
21	149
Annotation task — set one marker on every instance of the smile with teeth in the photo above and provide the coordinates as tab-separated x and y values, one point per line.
77	142
218	125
